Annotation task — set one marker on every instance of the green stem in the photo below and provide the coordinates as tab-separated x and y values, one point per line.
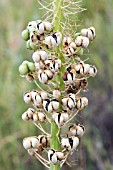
58	19
55	132
54	143
58	16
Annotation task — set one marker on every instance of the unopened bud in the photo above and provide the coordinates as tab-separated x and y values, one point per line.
25	35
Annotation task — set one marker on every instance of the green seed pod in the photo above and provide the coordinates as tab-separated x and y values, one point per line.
31	66
25	35
28	45
23	69
33	47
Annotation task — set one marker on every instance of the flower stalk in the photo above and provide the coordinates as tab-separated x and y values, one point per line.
55	132
60	76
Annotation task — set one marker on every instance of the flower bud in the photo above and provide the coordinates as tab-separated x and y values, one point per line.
27	97
23	69
65	116
56	93
70	103
33	95
59	37
64	101
47	26
40	27
47	105
31	66
44	140
44	55
71	75
39	65
81	103
41	116
30	112
35	117
65	142
60	155
67	41
75	142
48	40
80	130
54	66
38	99
25	116
52	156
31	24
27	143
86	68
84	32
82	41
25	35
90	33
44	95
73	45
70	143
76	130
55	104
73	130
49	74
93	31
34	142
42	76
85	42
59	119
78	41
92	71
53	42
70	50
36	56
78	67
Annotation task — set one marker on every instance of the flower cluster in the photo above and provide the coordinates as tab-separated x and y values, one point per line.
36	34
54	104
83	40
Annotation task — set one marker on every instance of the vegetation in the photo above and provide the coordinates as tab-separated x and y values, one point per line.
96	149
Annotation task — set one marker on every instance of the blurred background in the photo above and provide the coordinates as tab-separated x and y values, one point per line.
96	149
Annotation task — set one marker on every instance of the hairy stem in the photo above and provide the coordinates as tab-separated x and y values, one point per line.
58	16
